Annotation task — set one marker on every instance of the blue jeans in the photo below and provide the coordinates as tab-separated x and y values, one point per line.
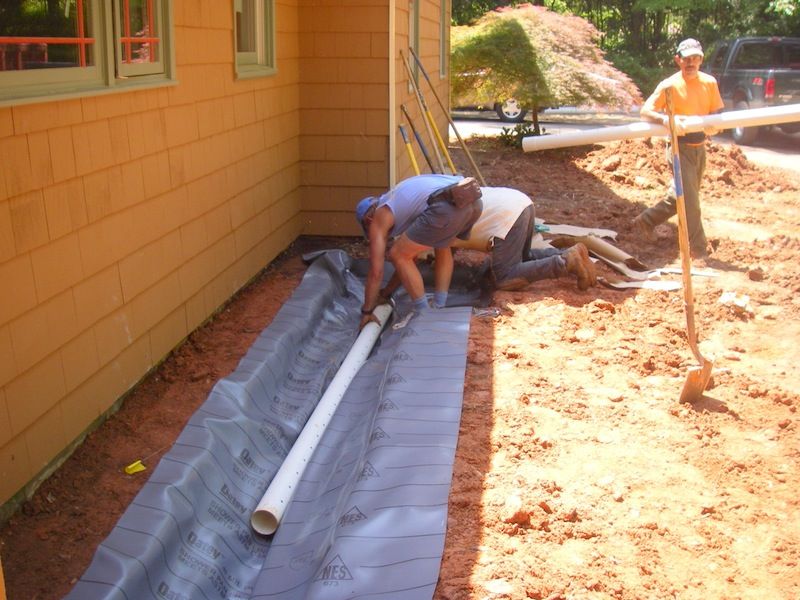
513	258
693	165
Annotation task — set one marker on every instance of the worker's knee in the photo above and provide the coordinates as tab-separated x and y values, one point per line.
401	252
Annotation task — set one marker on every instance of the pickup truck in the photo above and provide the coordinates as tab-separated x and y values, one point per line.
755	72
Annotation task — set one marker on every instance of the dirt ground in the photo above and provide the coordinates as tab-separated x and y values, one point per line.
578	474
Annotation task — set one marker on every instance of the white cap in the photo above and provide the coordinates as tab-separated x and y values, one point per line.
690	47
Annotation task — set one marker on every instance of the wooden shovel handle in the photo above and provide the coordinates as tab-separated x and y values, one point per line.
683	231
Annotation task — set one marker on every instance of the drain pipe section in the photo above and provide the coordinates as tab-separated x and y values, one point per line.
269	511
751	117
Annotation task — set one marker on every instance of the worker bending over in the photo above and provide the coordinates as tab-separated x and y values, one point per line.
505	229
420	213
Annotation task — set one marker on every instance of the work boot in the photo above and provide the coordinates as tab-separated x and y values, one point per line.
644	229
580	265
590	268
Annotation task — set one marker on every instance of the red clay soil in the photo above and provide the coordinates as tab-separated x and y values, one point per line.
578	474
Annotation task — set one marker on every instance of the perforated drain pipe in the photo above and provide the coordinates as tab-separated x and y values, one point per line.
751	117
269	511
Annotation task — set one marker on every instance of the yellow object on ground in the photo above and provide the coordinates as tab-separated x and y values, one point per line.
135	467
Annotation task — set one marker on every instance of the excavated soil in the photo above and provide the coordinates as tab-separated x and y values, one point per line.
578	473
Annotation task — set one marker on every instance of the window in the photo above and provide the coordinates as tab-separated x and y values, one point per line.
757	56
139	47
719	58
791	56
56	48
254	33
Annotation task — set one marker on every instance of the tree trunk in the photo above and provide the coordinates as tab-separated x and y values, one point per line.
535	117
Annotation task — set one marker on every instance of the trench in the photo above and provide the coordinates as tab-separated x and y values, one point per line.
368	516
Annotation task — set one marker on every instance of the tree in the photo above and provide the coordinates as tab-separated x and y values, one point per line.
639	37
537	56
466	12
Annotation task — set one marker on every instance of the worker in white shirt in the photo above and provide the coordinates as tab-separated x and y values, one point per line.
505	229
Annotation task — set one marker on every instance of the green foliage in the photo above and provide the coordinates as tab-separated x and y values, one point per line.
645	77
539	58
512	136
35	18
640	36
496	60
464	12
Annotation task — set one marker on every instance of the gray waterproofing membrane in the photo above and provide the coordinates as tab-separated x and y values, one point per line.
369	516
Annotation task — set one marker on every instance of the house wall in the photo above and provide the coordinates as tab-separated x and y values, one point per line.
344	106
126	220
345	120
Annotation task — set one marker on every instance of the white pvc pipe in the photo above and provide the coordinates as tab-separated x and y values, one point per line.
269	511
751	117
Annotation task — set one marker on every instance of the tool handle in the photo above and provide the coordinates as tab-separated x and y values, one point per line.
683	230
409	150
422	109
422	147
446	111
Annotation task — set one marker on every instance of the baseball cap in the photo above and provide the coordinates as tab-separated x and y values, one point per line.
361	209
690	47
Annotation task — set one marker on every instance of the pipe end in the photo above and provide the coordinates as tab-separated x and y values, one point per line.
264	521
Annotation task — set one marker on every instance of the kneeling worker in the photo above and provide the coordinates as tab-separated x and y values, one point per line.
505	229
420	213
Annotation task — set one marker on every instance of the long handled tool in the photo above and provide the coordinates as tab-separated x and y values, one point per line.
410	150
423	109
422	147
446	111
698	377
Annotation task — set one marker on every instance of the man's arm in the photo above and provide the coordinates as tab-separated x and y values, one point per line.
379	229
653	108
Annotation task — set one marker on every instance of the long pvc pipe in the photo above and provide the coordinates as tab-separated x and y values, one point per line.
751	117
269	511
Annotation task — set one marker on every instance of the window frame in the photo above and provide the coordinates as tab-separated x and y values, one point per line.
261	62
444	46
413	39
151	67
105	76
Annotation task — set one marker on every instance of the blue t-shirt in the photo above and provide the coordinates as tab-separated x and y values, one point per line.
409	198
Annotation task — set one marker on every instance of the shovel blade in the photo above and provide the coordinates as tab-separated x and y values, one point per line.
696	382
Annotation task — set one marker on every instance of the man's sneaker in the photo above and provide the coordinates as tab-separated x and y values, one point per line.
580	265
644	229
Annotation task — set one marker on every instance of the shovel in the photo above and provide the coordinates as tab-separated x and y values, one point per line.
698	376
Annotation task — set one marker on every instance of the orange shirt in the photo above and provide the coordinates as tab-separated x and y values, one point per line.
698	96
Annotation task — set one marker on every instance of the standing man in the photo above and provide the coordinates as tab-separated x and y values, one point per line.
419	213
695	93
505	229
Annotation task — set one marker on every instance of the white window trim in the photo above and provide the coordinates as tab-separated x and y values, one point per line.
40	85
260	63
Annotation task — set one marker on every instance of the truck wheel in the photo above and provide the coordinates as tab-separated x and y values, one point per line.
744	135
510	111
